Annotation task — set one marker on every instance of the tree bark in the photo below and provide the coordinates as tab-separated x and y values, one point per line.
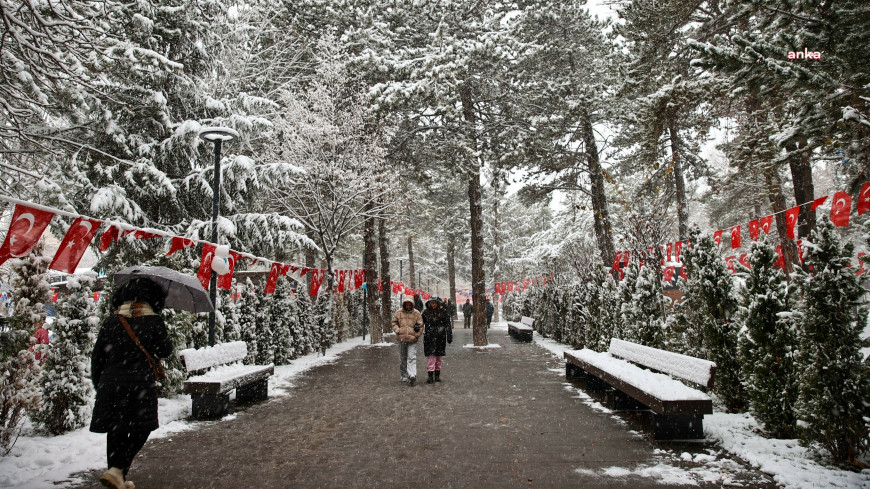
679	179
478	276
802	177
777	203
411	262
451	272
601	216
371	267
496	242
310	260
386	295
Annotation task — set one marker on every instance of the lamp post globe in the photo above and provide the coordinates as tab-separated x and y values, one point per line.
216	136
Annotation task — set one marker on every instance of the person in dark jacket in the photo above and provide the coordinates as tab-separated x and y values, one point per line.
438	332
451	309
418	303
467	313
126	404
489	312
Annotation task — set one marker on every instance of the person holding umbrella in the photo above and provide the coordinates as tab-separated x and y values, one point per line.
123	365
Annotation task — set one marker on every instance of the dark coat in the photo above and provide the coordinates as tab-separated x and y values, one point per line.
490	310
467	309
438	331
126	388
418	302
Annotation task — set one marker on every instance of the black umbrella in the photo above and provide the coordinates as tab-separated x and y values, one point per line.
183	292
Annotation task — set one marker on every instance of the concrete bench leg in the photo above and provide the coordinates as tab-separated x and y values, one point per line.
573	371
256	391
623	402
678	427
207	406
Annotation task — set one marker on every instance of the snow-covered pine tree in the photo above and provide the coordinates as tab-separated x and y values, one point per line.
834	379
179	324
263	328
230	311
608	325
710	304
248	311
626	327
66	385
767	342
282	314
647	308
19	395
31	293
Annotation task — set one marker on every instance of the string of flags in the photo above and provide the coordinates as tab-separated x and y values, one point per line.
840	216
501	288
29	222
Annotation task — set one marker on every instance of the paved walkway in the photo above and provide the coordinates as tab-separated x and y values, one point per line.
502	418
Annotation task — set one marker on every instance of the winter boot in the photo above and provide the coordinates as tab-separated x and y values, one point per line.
437	376
113	478
430	380
412	381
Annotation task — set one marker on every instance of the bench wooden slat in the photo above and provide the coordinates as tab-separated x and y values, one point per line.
696	370
221	381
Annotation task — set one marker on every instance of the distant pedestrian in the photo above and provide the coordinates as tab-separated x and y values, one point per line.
467	313
489	312
408	326
451	310
418	302
126	404
42	338
438	333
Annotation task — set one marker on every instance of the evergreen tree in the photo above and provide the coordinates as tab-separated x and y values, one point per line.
626	327
834	379
767	342
66	385
282	314
231	331
711	304
31	294
647	308
19	395
609	324
248	312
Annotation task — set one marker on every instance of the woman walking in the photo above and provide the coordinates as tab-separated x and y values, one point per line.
437	333
126	404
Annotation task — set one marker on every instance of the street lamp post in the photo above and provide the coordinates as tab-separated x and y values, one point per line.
217	136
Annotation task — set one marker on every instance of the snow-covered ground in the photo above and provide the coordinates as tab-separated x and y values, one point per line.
40	461
789	464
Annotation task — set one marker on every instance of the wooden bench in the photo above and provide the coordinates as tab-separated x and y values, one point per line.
523	330
678	409
210	391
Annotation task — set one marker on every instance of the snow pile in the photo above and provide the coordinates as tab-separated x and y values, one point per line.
658	385
484	347
198	359
690	368
40	461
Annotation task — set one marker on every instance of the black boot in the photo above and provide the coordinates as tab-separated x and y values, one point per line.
429	380
437	376
412	381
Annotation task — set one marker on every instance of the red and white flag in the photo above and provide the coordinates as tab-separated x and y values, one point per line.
717	237
744	260
225	281
735	237
178	244
791	219
765	223
864	199
316	280
25	229
359	278
753	229
74	244
729	261
204	273
841	207
274	271
819	201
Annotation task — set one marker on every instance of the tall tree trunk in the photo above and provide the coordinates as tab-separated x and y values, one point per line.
411	262
601	216
386	302
478	276
496	241
679	179
370	264
451	272
777	203
802	177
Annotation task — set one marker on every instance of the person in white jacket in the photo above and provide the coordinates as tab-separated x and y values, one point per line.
408	326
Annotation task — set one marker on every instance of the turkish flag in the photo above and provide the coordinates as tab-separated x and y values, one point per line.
342	277
205	271
735	237
729	260
74	244
678	246
670	250
791	219
25	229
683	274
668	274
108	237
626	255
744	260
425	295
864	199
819	201
359	277
717	237
316	280
225	281
303	271
780	261
272	281
616	260
765	223
753	229
178	244
841	207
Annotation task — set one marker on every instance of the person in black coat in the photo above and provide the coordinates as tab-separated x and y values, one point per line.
437	332
490	310
418	302
126	404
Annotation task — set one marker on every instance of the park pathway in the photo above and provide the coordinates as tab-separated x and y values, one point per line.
502	418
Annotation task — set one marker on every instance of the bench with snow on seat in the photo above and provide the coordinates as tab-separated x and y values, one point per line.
522	330
678	409
210	390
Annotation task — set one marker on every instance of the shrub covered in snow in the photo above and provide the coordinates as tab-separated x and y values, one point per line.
19	394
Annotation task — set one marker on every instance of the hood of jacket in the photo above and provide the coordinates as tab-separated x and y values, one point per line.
408	298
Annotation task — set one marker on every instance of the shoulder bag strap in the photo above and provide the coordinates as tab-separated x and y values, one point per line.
136	340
